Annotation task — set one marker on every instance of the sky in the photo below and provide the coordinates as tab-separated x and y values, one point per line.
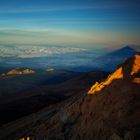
70	22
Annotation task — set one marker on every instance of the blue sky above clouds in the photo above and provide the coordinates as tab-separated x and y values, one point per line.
70	22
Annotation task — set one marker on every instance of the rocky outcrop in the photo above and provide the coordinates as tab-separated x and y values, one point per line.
28	71
17	72
127	70
50	69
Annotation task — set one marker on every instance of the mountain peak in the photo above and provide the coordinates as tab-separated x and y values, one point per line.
127	48
128	70
110	61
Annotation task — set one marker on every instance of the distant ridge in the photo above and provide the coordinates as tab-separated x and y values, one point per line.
110	61
17	71
127	48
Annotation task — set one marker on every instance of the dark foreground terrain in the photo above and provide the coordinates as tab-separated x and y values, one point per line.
109	111
52	88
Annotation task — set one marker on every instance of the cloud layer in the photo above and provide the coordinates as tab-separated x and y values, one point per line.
28	51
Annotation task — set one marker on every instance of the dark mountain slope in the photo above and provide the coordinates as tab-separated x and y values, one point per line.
13	84
29	101
110	113
110	61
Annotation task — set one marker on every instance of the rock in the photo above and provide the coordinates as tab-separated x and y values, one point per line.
50	70
17	72
115	137
28	71
126	71
129	136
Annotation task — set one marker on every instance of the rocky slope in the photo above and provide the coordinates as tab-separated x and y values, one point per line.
110	113
31	100
17	72
126	71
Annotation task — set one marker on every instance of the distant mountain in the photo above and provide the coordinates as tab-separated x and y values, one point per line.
110	61
18	80
109	112
17	71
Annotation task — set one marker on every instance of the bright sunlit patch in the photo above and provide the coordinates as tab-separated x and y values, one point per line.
28	138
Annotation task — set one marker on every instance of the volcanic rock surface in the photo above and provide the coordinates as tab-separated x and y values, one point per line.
17	72
110	113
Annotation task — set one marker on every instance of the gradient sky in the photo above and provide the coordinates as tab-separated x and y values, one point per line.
81	22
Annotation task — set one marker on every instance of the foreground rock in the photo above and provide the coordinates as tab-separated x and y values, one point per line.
126	71
111	113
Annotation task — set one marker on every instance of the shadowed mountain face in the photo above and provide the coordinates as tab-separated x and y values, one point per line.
111	113
38	91
110	61
18	80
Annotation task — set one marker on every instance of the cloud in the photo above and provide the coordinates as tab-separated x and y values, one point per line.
29	51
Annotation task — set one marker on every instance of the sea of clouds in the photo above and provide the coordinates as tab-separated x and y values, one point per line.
35	56
29	51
